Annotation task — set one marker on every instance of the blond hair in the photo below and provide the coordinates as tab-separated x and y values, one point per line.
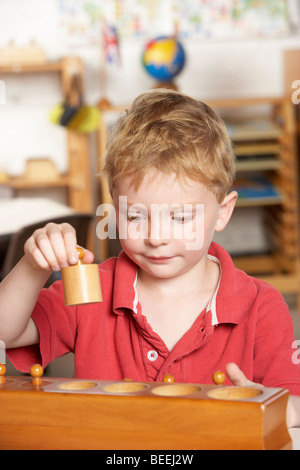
173	133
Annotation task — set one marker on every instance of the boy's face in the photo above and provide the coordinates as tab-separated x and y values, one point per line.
166	226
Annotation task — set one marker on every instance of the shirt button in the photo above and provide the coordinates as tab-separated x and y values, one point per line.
152	355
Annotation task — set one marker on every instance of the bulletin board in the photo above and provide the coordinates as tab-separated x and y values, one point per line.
82	19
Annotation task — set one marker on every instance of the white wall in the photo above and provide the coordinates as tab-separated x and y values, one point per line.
215	69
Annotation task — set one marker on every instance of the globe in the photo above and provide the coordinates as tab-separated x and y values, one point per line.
163	58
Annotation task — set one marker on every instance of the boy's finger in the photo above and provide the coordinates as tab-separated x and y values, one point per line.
70	242
33	250
43	243
236	376
88	256
56	238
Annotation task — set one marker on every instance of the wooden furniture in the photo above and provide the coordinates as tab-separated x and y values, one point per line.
292	85
266	147
81	283
78	179
92	414
31	53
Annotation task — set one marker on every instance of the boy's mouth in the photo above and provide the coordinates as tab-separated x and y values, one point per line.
159	259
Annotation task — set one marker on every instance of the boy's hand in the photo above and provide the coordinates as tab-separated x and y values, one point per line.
293	408
237	377
54	247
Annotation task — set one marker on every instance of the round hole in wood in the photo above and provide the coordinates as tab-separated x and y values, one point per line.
175	390
28	383
125	387
81	385
234	393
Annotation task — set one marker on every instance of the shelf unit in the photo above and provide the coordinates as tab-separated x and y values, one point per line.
78	179
272	154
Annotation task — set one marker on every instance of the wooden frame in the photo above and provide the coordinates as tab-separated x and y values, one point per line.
91	414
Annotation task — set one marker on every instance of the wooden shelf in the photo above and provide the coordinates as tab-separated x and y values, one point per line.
31	68
23	183
271	154
78	179
243	102
262	164
254	148
259	202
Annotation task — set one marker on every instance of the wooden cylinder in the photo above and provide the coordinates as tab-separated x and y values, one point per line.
81	284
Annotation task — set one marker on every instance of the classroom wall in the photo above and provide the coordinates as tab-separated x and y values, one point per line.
215	68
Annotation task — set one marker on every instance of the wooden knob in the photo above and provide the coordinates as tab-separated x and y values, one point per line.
80	255
219	377
36	372
169	379
2	373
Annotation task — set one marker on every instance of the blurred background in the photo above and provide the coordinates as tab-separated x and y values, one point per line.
69	67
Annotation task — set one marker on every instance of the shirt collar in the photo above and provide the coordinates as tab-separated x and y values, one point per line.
124	293
212	304
236	291
229	304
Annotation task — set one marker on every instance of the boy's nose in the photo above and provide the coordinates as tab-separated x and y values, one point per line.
156	241
158	233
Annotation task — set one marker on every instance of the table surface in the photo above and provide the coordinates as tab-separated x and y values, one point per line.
18	212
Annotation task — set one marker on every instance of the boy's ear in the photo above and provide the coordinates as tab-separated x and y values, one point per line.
225	210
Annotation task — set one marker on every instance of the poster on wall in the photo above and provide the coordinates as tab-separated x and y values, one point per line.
83	20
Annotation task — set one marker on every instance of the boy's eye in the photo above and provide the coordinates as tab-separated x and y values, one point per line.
182	218
135	217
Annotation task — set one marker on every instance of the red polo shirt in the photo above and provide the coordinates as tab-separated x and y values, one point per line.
247	322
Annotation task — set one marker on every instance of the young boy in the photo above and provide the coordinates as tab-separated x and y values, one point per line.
173	302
